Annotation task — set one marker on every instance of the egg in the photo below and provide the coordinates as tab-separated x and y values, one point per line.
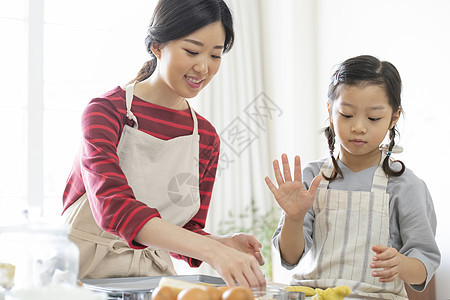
193	294
222	289
238	293
164	293
213	292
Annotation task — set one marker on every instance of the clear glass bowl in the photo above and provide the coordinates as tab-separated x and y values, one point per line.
39	253
277	293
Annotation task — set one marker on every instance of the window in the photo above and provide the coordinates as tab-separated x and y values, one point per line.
13	138
60	55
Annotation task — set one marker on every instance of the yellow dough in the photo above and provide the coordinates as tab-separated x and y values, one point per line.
304	289
337	293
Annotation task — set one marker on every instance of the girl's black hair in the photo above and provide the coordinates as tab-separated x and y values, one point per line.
363	71
174	19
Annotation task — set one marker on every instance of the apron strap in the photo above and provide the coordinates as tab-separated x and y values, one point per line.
129	92
327	169
120	246
194	119
379	181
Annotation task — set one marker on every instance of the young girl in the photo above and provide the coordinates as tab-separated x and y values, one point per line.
358	218
141	184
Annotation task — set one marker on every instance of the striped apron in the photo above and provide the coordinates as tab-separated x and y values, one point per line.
162	174
347	224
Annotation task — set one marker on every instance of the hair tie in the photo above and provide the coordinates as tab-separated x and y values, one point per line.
396	149
332	154
336	79
389	154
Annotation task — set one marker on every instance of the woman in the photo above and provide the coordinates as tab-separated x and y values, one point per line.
141	184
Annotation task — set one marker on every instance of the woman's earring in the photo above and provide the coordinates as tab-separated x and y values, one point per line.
155	52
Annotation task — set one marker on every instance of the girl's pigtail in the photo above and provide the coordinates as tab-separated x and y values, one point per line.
386	165
329	133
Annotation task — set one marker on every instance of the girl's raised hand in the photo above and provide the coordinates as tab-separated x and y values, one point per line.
291	195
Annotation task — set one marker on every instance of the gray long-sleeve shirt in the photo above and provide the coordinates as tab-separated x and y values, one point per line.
411	214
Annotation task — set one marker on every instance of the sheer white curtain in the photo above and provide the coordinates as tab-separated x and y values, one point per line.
242	112
263	103
237	104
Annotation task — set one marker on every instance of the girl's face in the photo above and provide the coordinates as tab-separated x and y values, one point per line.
361	117
188	64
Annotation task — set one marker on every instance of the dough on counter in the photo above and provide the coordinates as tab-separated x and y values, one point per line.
337	293
308	291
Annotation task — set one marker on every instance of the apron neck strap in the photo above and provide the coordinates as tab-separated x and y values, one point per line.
327	169
379	181
129	92
194	119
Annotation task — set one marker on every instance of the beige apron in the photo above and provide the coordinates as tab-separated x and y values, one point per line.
164	175
347	224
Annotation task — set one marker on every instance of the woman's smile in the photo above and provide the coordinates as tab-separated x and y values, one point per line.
194	82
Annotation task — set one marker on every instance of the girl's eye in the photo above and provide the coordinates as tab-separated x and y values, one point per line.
345	116
190	52
216	56
374	119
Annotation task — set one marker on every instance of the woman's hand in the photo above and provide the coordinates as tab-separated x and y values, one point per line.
236	260
243	242
292	197
233	265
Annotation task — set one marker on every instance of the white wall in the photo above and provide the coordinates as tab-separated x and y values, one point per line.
413	35
303	40
291	73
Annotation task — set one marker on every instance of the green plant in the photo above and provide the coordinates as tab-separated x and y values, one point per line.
261	225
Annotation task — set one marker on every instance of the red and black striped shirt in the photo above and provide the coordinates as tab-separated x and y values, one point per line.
96	170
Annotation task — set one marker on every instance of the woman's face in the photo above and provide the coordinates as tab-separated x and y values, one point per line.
188	64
